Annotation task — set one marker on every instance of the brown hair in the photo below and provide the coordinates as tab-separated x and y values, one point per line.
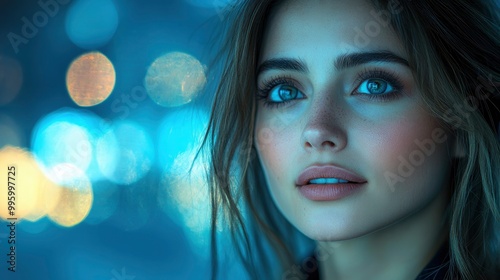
453	50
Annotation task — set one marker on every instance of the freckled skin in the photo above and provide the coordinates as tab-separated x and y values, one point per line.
331	126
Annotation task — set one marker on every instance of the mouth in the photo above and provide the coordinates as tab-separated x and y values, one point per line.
328	183
328	174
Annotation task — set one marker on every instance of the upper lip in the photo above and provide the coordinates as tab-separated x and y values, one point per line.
327	171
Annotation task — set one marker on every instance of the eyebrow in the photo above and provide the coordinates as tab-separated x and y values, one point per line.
282	64
343	61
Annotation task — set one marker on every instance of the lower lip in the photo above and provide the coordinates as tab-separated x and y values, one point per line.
329	192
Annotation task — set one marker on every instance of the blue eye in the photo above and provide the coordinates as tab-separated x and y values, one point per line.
375	86
284	93
279	91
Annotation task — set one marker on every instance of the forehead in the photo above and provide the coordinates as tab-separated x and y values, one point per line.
327	27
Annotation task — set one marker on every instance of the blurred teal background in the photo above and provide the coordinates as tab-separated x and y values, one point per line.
102	106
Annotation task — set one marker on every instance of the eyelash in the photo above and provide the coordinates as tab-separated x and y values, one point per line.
389	77
365	74
263	92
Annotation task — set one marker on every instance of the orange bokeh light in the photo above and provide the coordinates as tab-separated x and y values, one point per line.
90	79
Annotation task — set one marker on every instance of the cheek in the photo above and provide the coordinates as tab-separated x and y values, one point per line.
391	141
273	139
276	137
277	141
407	152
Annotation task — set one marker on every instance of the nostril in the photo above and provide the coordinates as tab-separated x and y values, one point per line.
328	144
324	137
324	144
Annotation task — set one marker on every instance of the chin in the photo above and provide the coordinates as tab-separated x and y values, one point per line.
329	233
331	226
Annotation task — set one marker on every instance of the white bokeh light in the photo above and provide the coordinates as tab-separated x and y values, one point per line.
175	79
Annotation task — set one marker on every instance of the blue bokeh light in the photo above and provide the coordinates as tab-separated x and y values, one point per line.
68	136
178	132
125	153
90	24
60	138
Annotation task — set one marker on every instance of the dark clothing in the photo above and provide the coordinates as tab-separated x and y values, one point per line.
436	269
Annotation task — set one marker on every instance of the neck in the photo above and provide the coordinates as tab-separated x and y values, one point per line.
399	251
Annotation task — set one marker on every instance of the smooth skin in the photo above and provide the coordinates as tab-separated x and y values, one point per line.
335	117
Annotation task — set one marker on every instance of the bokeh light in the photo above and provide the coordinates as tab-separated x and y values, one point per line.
90	79
11	79
175	79
69	136
183	192
125	153
183	195
62	142
75	197
31	185
179	132
90	24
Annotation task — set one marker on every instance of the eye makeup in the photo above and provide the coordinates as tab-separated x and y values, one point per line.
388	78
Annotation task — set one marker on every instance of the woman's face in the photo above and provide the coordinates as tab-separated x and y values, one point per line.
338	101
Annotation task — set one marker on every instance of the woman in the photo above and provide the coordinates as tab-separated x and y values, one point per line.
368	126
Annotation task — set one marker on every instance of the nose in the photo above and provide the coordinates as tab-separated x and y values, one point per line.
325	128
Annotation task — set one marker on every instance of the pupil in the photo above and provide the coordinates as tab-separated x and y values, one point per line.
287	92
377	86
